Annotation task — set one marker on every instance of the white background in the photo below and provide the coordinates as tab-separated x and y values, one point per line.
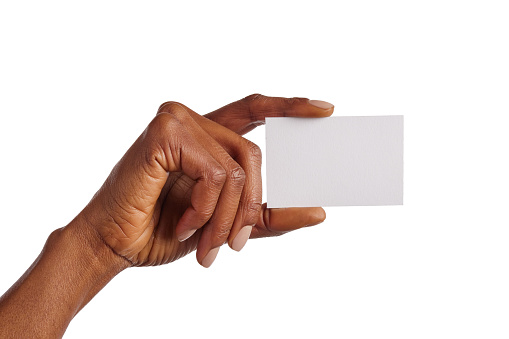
79	83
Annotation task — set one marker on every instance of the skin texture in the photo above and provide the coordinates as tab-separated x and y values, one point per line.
189	182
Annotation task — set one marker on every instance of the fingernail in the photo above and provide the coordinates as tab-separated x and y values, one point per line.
210	257
321	104
186	235
241	238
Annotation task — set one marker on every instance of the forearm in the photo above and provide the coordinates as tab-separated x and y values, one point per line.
72	267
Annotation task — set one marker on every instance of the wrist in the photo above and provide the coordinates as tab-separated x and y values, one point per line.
71	269
89	248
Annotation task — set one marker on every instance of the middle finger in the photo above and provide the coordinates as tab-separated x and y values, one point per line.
216	231
249	156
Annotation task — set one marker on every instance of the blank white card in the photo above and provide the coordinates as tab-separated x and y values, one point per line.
337	161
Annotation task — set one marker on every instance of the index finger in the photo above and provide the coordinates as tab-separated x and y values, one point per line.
245	114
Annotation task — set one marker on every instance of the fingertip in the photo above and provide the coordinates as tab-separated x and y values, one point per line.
317	216
209	258
241	238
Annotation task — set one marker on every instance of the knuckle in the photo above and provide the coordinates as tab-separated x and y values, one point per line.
252	104
253	97
162	121
173	108
168	106
253	150
155	155
161	125
295	100
237	175
217	176
156	139
252	210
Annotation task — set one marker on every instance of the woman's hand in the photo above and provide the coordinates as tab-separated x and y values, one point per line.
189	182
193	182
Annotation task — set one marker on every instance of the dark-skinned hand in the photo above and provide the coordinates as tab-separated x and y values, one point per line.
192	182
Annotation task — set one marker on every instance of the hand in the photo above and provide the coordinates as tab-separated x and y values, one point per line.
193	182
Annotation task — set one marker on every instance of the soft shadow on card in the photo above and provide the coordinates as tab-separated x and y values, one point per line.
337	161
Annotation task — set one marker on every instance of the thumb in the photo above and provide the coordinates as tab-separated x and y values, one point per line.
277	221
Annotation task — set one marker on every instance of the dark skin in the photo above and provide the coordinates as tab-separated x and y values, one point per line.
189	182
